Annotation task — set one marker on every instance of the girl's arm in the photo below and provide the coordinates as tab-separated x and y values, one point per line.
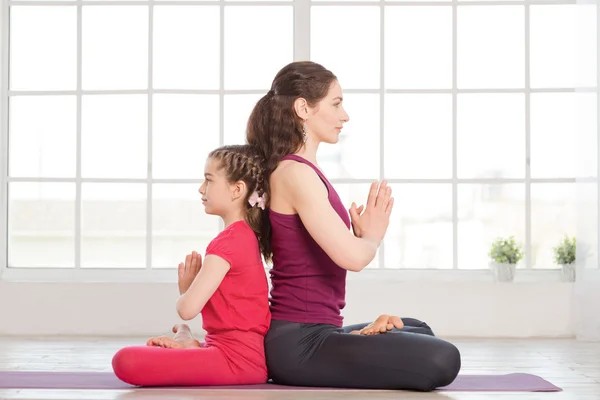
206	282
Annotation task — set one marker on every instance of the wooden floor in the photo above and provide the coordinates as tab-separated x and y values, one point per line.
572	365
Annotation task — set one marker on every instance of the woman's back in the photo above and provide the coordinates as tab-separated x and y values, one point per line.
307	285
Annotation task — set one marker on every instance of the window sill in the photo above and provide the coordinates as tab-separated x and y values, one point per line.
169	275
454	275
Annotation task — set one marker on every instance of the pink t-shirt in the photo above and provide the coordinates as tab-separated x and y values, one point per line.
237	317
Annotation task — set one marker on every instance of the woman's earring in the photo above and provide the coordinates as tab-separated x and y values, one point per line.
304	131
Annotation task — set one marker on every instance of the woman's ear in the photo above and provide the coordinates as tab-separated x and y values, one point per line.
238	189
301	108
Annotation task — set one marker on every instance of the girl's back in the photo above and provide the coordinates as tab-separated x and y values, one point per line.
240	303
237	316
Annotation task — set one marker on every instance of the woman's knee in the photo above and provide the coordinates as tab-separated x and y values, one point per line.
446	364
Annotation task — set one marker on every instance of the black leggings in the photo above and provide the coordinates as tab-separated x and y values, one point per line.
324	355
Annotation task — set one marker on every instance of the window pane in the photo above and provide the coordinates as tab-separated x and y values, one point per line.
486	212
237	111
42	136
586	45
185	130
114	136
553	134
43	48
115	58
420	230
350	52
359	138
587	225
491	47
553	215
41	224
491	135
586	126
113	225
358	193
186	47
259	41
553	55
179	224
418	47
417	145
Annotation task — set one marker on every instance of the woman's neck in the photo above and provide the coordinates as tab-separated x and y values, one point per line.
309	151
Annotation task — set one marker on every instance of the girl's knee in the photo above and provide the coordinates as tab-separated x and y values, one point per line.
125	365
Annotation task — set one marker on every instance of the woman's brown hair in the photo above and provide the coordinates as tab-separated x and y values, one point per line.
274	129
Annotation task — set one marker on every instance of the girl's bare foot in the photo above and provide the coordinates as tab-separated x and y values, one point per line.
164	341
183	339
183	335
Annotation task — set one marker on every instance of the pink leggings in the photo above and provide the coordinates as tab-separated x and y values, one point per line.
157	366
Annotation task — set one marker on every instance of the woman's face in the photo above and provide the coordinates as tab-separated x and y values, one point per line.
325	121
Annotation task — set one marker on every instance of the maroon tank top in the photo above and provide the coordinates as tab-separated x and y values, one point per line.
307	286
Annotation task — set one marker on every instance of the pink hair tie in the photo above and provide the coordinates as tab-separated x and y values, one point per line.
256	199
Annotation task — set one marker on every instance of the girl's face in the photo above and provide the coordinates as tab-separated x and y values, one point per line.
218	195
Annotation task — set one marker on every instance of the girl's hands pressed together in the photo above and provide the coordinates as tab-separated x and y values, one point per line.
186	272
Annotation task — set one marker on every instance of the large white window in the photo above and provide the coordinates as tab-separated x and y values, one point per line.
466	107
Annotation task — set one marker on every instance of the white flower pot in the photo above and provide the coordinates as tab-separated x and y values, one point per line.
568	272
503	272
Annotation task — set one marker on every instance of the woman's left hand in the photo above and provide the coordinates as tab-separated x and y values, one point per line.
381	325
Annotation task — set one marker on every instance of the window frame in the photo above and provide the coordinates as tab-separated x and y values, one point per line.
302	12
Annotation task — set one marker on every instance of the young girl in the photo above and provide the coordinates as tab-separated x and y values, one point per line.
229	289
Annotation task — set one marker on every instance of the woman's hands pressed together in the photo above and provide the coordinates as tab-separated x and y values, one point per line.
373	222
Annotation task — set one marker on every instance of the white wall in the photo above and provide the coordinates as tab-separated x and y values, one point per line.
452	308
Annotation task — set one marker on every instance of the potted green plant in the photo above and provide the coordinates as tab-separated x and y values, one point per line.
504	255
565	255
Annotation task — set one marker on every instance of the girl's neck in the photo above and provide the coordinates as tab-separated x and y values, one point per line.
233	217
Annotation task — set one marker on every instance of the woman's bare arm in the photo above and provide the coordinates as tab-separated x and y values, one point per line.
304	190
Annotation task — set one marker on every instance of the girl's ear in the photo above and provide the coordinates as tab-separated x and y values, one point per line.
238	189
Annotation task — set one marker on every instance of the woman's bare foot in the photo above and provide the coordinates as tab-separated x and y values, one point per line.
183	339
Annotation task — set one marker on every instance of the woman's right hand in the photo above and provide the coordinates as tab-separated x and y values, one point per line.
373	222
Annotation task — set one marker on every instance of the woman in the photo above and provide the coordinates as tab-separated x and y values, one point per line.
313	248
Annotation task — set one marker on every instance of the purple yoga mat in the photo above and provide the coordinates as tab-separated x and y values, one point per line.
107	380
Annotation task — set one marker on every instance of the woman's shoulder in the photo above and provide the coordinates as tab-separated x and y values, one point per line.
294	174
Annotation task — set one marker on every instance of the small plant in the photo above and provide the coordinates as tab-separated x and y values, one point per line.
506	251
565	251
